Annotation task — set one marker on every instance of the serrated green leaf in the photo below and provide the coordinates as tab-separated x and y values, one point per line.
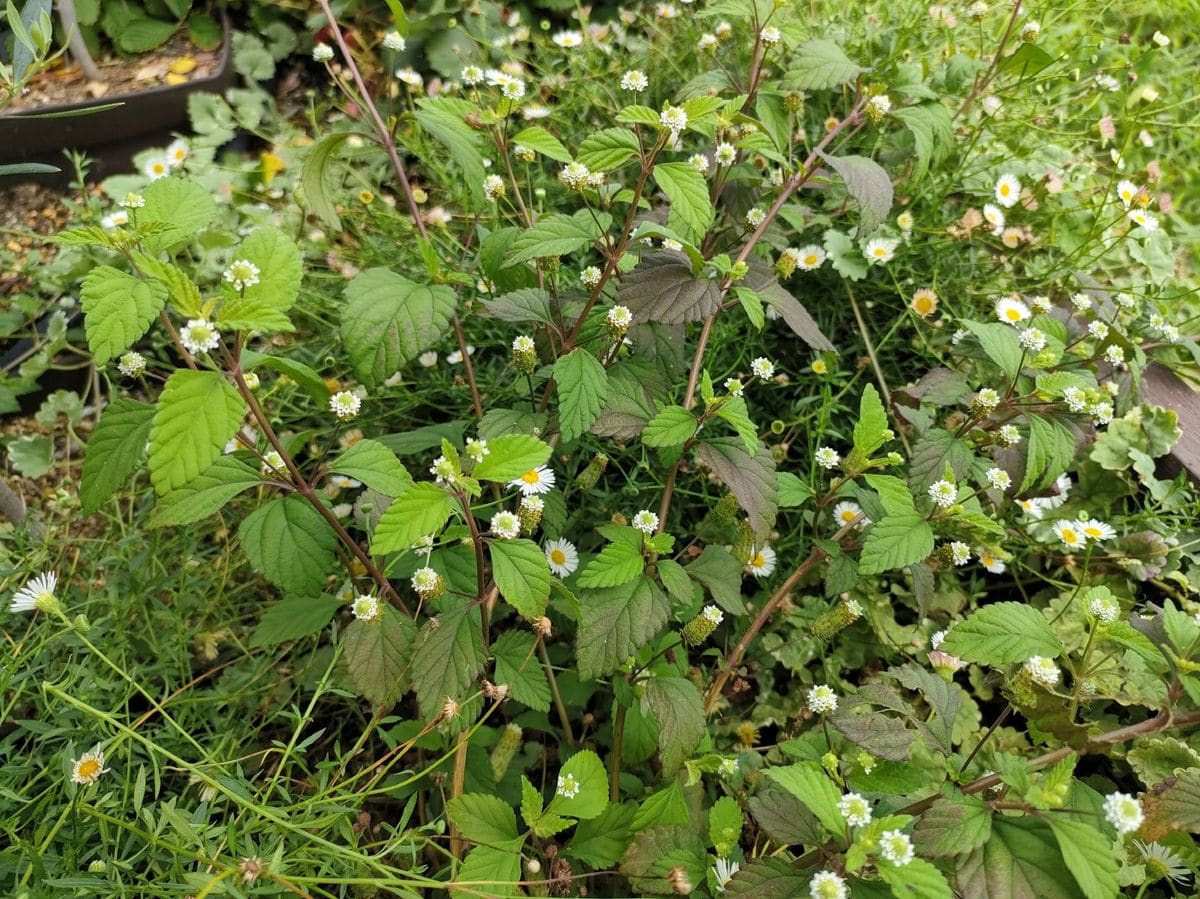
582	392
871	430
315	179
289	543
725	825
1088	855
600	841
952	826
375	465
869	185
663	289
522	575
518	667
721	574
999	341
556	235
183	208
677	707
117	310
616	623
442	119
528	304
262	306
819	65
618	563
182	293
483	818
420	510
809	783
673	426
916	880
448	656
205	494
541	141
510	456
894	542
749	478
933	135
389	320
691	211
734	412
1050	450
114	451
198	412
294	617
608	148
1002	633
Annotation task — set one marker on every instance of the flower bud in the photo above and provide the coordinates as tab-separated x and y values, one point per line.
524	354
701	627
505	749
529	513
837	619
589	476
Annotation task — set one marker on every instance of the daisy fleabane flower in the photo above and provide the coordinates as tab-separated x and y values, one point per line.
896	847
1070	534
855	809
994	216
810	258
827	457
822	699
646	522
199	336
673	118
157	167
880	250
536	480
1123	812
242	273
88	767
763	368
177	153
506	525
38	593
924	302
634	80
943	493
1011	310
827	885
762	563
1095	529
723	872
1043	670
364	607
345	404
568	39
1143	219
847	512
1008	190
562	557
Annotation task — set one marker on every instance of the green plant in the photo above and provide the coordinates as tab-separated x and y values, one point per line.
549	572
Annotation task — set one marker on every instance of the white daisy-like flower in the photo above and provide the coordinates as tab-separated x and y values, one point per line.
936	640
322	52
241	273
994	216
827	457
1143	219
1127	192
199	336
998	478
1010	435
471	75
536	480
706	42
177	153
1069	533
1104	609
1123	812
590	276
114	220
1095	529
341	482
426	580
131	364
762	563
880	250
562	557
924	302
273	464
847	512
905	221
1011	310
88	767
568	786
960	553
1043	670
723	872
943	493
493	187
822	699
506	525
989	561
896	847
827	885
568	39
634	80
1008	190
645	521
1162	862
428	359
619	317
673	118
476	448
725	154
394	40
156	167
345	404
1040	304
763	368
1032	340
809	258
1030	31
855	809
409	76
365	608
37	593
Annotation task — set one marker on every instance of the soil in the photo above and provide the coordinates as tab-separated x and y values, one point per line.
28	212
175	62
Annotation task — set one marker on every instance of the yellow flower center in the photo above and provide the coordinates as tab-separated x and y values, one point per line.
1005	190
758	561
810	260
89	768
1069	536
531	477
1092	532
1012	314
848	515
880	252
558	557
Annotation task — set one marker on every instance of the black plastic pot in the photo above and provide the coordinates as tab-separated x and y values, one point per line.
110	136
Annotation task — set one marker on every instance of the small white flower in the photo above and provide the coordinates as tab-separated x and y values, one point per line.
734	387
590	276
822	699
242	273
428	359
322	53
341	482
723	872
568	39
273	463
960	553
1032	340
156	167
989	561
1043	670
1010	435
762	563
755	217
426	580
1030	31
809	258
827	885
562	557
443	470
523	344
1095	529
1102	413
987	399
770	36
1123	812
37	593
1104	610
574	175
493	187
646	522
1008	190
879	106
1069	533
1011	310
1040	304
393	40
726	154
568	786
896	847
763	368
471	75
1160	39
1097	330
924	302
728	767
827	457
365	608
536	480
706	42
199	336
1143	219
476	449
699	162
991	104
634	80
619	317
880	250
1107	83
131	364
1127	192
673	118
855	809
936	640
1114	355
506	525
88	767
132	201
345	404
905	221
114	220
846	512
1075	398
998	478
943	493
410	76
